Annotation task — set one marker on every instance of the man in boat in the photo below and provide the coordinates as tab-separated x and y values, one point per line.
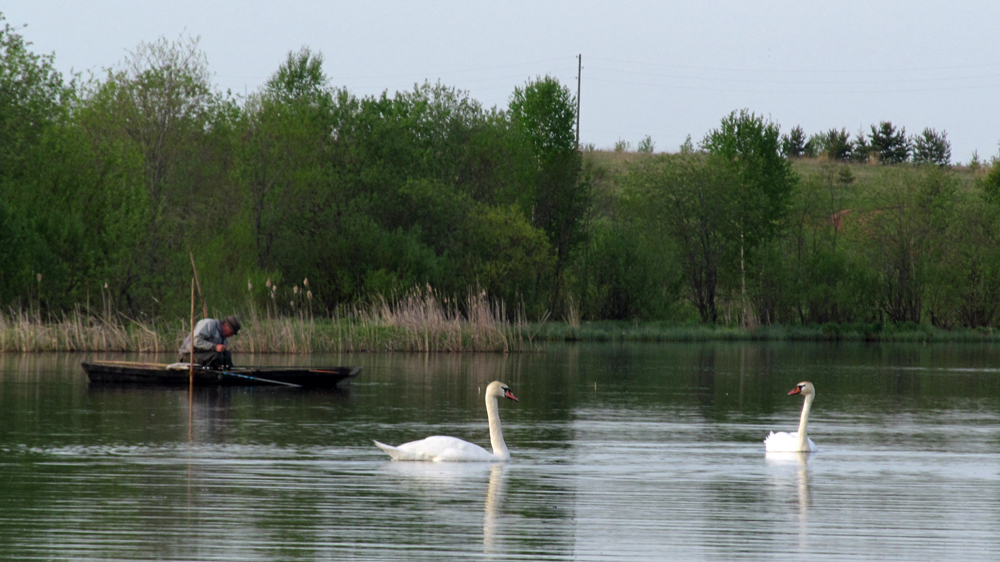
211	342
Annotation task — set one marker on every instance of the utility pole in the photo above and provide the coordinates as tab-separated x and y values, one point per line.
579	71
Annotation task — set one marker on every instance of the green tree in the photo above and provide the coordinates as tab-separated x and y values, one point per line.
285	131
157	118
838	145
891	146
931	147
820	281
764	185
53	215
688	200
646	145
990	182
793	145
861	149
544	111
907	228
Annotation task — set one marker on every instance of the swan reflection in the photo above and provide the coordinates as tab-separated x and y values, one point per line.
780	468
492	507
443	479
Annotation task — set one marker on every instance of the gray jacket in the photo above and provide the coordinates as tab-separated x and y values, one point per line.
207	334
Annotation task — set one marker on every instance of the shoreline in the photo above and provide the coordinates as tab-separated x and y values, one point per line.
306	335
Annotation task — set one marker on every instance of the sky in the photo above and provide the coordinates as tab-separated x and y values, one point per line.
666	69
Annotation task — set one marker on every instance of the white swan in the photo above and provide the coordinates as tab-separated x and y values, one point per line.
440	448
798	442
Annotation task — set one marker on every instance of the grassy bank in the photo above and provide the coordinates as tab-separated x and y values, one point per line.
655	331
419	323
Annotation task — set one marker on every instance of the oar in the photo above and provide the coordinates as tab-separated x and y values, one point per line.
258	379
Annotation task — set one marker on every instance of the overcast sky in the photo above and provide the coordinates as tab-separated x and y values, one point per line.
664	69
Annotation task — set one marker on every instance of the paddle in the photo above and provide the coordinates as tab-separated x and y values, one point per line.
257	379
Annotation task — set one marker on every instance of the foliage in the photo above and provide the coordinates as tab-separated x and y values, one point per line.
905	236
688	199
931	147
891	146
646	145
989	183
687	147
838	145
109	186
793	145
766	179
861	149
544	112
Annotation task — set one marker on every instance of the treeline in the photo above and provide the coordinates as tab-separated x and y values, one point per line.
883	143
300	194
303	195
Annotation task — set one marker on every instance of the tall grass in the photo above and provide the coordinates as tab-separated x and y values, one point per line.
77	331
421	320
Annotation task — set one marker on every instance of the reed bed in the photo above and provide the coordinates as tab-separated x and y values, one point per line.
420	321
25	331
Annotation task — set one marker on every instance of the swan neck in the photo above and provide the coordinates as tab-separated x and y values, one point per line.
803	439
496	433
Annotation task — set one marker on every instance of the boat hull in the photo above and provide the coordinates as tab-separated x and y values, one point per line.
127	372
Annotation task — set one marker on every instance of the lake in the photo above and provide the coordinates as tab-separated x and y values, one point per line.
618	452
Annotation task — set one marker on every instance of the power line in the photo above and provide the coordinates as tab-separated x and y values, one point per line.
803	71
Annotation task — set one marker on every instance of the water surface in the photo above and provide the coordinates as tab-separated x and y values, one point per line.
619	452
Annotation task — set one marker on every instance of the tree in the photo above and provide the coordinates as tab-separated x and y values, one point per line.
905	237
764	182
157	119
33	96
861	149
838	145
891	146
284	131
688	199
544	111
45	180
793	145
931	147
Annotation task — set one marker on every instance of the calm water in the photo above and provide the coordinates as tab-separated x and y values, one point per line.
619	452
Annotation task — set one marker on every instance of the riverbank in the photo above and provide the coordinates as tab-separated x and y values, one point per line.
657	331
420	325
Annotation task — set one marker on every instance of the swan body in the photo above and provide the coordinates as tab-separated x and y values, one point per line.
798	441
442	448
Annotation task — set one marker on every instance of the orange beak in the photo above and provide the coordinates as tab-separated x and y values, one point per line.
795	391
510	395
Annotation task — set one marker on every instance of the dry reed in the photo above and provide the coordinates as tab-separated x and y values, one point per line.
420	321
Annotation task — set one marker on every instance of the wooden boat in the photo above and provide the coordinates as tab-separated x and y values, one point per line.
129	372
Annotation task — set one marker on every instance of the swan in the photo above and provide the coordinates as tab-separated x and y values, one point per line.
440	448
783	442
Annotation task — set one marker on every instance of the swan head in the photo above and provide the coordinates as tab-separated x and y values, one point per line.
804	388
497	389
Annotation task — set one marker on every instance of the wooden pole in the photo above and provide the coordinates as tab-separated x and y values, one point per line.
204	308
579	72
191	366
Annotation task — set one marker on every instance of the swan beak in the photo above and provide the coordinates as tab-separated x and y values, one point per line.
508	394
794	391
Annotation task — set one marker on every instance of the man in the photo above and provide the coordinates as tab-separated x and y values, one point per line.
211	341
